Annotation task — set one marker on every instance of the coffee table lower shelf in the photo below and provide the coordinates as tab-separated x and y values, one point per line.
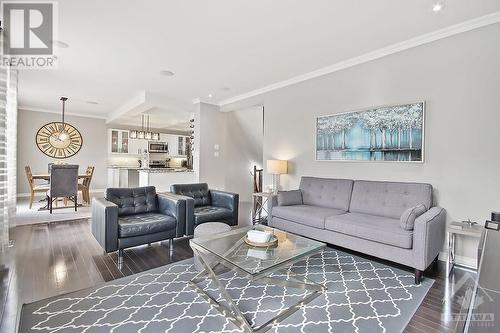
232	312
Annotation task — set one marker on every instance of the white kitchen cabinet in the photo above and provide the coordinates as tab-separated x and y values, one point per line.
137	146
123	177
118	141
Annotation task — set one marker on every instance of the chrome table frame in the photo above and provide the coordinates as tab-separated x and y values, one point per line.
452	233
213	263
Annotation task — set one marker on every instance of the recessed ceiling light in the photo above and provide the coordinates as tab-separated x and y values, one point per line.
92	102
60	44
167	73
437	7
209	95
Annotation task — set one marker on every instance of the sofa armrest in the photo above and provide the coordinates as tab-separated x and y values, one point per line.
428	236
174	205
226	200
104	223
272	202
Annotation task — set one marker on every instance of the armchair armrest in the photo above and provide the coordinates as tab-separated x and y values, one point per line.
226	200
104	223
174	205
428	236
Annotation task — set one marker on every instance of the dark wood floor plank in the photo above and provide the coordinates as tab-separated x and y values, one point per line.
50	259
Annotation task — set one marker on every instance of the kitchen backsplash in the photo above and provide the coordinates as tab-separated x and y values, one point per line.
123	161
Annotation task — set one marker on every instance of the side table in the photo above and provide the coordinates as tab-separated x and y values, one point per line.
259	206
462	229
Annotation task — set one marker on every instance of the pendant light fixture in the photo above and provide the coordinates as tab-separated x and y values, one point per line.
145	133
62	133
148	135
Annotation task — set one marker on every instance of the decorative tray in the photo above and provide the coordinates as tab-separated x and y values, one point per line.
273	242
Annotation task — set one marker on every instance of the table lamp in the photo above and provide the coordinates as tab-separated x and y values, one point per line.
276	168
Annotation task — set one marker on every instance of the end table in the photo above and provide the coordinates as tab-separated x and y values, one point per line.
259	206
463	229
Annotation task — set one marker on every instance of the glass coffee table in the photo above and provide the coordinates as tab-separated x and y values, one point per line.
228	251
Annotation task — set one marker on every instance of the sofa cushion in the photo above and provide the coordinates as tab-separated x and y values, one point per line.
389	199
375	228
288	198
312	216
199	192
211	214
407	219
325	192
144	224
133	200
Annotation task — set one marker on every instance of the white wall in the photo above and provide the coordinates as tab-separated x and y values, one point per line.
243	150
458	77
93	151
210	131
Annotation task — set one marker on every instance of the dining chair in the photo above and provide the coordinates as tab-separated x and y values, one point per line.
84	187
33	187
63	184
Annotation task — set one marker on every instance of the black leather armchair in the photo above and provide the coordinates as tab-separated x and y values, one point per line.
205	205
128	217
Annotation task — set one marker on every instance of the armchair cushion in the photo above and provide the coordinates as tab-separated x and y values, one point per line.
407	219
199	192
290	198
144	224
211	213
133	200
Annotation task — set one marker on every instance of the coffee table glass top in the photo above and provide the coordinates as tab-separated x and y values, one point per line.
231	247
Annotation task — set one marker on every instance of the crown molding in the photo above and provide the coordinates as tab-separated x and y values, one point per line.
36	109
204	101
452	30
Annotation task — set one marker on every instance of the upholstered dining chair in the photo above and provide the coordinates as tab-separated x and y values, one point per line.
84	187
63	184
34	188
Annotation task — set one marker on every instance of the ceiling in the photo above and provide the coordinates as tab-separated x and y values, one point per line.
224	48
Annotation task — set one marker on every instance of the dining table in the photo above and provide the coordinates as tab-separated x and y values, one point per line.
46	176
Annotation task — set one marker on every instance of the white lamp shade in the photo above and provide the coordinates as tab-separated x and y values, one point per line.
277	167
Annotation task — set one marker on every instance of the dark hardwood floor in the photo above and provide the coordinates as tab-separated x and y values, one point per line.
61	257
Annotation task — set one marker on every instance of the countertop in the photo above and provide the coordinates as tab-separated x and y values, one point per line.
166	170
123	167
150	170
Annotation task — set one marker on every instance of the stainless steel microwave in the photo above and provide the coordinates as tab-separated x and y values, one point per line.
158	147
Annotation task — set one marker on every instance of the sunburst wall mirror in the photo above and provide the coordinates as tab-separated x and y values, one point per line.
58	139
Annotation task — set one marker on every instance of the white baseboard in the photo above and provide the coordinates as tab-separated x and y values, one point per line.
41	195
460	260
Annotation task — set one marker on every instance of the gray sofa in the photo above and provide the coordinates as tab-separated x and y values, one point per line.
128	217
390	220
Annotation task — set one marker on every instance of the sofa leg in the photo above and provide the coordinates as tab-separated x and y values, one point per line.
171	245
418	276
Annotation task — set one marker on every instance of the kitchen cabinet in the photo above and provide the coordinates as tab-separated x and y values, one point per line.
137	146
118	141
123	177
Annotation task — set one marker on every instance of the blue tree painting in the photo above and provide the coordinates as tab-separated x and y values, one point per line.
392	133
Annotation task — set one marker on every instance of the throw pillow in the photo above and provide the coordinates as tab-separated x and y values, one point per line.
289	198
407	220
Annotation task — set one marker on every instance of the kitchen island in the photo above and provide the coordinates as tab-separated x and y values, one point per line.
162	178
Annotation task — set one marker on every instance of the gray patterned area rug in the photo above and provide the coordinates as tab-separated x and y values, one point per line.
362	296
